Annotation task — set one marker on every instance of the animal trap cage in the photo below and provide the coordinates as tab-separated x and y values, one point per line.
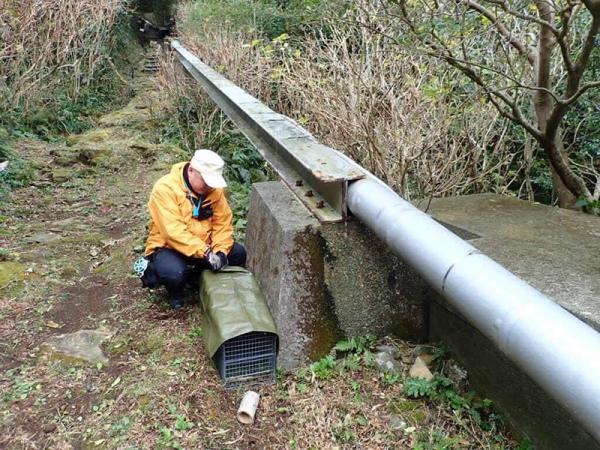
247	359
239	331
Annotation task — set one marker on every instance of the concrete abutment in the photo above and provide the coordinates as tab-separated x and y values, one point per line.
326	281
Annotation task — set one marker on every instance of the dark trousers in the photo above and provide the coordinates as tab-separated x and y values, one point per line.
173	270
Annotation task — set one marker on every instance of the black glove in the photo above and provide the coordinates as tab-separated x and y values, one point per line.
216	261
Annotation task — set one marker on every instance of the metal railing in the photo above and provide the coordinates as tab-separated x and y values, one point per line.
558	351
314	172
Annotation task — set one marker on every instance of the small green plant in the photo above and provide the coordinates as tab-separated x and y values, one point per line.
437	441
168	439
177	362
417	387
21	390
324	368
196	332
589	206
525	444
391	378
122	426
18	174
357	345
442	390
342	430
182	424
350	363
302	388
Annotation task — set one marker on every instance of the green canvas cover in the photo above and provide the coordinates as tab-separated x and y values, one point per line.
232	305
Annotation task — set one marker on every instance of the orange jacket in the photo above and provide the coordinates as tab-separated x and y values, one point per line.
172	225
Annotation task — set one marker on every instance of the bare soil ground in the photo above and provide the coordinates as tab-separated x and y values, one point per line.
71	238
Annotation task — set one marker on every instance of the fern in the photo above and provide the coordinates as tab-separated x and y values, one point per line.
418	387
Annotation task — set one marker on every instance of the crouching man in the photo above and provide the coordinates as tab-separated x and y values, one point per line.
190	227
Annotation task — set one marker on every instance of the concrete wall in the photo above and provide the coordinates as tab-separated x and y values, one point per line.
525	406
326	281
284	252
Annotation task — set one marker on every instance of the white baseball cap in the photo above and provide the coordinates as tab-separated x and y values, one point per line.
210	165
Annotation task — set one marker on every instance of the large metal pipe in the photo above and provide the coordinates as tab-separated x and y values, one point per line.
557	350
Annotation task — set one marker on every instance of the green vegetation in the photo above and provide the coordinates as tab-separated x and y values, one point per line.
18	173
68	87
411	399
266	18
359	77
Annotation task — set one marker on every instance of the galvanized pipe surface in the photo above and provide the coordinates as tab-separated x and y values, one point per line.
557	350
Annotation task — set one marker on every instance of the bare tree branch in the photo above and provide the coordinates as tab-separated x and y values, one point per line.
502	30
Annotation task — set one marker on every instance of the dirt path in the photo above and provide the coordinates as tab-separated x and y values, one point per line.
68	243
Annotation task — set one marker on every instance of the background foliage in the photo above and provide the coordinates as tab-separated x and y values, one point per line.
351	75
62	62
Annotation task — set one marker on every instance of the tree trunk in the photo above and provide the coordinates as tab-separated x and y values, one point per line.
566	199
567	185
555	151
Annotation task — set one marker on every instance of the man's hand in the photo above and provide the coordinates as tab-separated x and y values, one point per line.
216	261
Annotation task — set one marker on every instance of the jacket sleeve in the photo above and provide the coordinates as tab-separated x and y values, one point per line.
167	217
222	228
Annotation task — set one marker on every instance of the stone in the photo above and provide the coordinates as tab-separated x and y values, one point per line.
385	362
42	238
81	347
397	422
283	251
324	281
393	351
420	370
456	374
426	358
374	292
49	427
553	249
66	225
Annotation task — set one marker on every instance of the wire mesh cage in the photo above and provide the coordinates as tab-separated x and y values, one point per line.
248	359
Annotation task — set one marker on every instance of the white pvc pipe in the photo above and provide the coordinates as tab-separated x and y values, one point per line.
247	409
558	351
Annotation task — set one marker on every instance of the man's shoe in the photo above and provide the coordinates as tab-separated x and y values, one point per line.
176	303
